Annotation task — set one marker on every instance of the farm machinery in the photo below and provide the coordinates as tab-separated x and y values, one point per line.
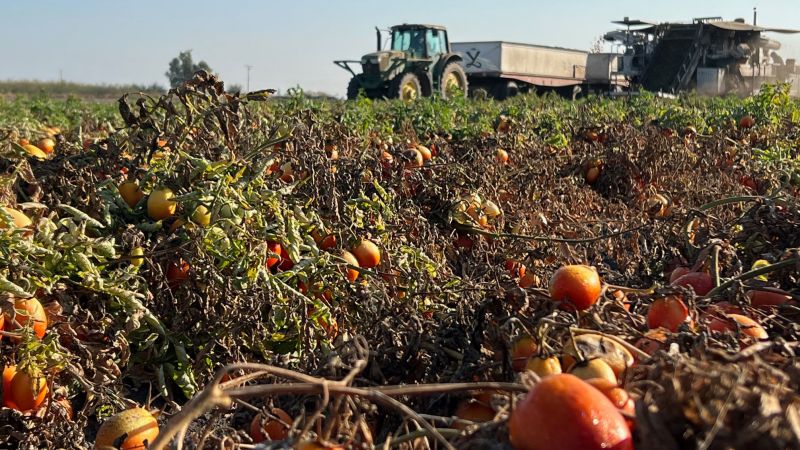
710	55
418	64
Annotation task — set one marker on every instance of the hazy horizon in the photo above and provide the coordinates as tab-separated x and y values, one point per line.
290	44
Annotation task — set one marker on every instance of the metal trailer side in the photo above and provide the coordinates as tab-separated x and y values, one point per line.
502	68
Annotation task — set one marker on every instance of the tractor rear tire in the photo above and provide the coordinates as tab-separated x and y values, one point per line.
354	86
452	74
406	87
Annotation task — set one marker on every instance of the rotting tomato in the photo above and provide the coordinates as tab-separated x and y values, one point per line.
591	346
575	287
566	413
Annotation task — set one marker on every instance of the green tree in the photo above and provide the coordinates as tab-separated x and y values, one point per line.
183	67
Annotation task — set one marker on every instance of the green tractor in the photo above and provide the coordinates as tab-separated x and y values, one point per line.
418	64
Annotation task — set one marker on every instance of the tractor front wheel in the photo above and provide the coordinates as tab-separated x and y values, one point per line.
355	85
454	81
406	87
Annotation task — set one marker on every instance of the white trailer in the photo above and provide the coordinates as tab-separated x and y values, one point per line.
502	69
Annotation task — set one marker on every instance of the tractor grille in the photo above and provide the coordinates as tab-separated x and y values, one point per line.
371	69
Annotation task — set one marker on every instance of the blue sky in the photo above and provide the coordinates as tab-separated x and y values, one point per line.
294	43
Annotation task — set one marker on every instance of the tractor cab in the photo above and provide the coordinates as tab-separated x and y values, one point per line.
417	64
420	41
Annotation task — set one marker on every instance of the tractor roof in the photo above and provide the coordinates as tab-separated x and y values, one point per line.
417	26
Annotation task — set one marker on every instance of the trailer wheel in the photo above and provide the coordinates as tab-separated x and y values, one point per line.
406	87
454	81
354	86
506	89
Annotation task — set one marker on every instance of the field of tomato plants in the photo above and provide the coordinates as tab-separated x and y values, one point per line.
215	271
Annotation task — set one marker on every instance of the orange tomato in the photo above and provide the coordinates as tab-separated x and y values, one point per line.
28	390
367	253
131	193
543	366
731	322
528	280
275	428
8	375
522	349
701	282
767	299
28	312
286	262
276	251
575	287
425	152
47	145
20	219
593	368
351	274
669	312
473	411
328	242
618	396
566	413
136	428
501	156
515	268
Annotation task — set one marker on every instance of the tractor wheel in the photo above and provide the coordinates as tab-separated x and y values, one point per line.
406	87
454	81
354	86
